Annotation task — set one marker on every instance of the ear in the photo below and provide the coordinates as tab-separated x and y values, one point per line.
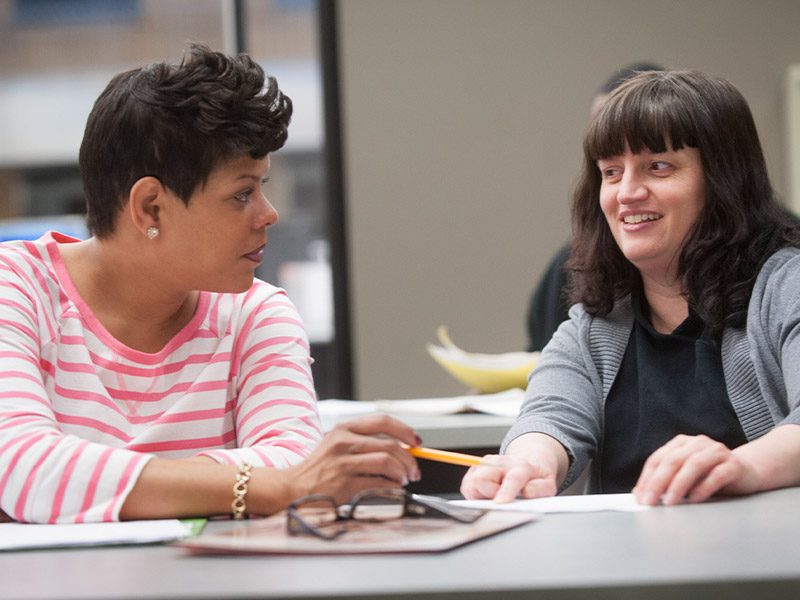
144	202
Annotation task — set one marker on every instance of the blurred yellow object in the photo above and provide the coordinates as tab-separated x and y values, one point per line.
487	373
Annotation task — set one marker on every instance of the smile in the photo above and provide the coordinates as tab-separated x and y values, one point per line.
631	219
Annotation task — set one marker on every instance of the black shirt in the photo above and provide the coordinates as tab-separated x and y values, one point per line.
667	384
549	305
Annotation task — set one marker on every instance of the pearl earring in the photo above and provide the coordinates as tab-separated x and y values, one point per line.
152	232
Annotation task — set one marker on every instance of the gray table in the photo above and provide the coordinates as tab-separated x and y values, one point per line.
473	430
738	548
454	432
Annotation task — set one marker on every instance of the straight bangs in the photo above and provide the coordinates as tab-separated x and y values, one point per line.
655	115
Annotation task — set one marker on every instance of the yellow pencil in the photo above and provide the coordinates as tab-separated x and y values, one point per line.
454	458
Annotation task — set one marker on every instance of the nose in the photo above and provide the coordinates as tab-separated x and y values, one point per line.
631	188
266	216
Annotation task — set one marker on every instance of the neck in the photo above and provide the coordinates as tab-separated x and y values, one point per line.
123	290
668	308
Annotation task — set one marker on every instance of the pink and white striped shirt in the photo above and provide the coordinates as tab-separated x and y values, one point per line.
81	414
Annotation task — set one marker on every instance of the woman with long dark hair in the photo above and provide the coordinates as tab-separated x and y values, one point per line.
676	375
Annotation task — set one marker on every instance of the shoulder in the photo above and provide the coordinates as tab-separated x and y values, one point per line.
262	305
27	253
264	295
258	294
620	317
775	300
779	278
593	345
18	252
24	260
784	262
600	337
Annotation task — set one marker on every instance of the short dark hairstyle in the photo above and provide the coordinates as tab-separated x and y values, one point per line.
741	223
177	123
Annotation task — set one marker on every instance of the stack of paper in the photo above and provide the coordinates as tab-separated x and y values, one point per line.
504	404
18	536
563	504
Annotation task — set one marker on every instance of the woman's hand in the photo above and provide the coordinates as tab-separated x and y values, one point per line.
533	466
697	467
503	478
694	467
355	455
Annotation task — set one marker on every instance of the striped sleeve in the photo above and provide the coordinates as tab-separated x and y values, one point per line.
37	460
277	423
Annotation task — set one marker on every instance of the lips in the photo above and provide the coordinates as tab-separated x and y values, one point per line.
640	218
256	255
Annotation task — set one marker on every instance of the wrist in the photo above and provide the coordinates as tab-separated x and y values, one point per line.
542	450
240	489
270	490
771	461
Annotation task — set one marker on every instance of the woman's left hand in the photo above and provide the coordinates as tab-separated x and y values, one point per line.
693	467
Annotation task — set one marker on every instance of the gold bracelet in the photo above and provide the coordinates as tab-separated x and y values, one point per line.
239	506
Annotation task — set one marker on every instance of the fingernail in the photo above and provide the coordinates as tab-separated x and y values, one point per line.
404	483
669	499
419	440
417	475
648	498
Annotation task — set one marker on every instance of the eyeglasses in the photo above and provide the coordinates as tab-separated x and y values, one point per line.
319	514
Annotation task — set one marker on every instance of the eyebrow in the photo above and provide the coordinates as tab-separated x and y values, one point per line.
249	176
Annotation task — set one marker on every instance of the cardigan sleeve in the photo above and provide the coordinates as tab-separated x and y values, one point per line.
563	398
773	328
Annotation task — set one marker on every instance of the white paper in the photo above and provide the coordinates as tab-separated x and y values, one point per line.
332	411
506	404
562	504
502	404
18	536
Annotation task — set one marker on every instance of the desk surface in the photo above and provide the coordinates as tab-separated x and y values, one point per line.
737	548
473	430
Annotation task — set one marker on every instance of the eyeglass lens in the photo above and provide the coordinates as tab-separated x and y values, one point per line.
377	505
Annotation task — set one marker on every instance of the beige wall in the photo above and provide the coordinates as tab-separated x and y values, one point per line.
462	122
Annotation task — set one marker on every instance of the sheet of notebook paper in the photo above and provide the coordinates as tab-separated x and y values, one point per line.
18	536
562	504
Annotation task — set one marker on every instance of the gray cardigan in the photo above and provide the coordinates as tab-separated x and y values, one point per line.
568	388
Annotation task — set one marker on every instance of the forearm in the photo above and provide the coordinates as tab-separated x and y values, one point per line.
774	459
358	454
201	487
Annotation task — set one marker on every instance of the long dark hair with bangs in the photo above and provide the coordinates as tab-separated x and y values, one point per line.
740	225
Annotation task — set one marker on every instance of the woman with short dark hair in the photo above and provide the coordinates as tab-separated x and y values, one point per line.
145	372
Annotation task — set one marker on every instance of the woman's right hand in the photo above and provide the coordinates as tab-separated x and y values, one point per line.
503	478
357	454
533	467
